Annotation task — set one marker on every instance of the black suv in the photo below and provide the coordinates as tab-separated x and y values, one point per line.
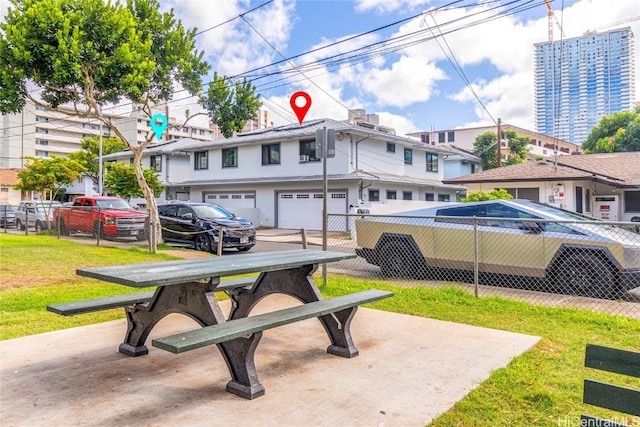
198	225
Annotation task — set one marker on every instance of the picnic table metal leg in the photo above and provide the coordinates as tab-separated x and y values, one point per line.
298	283
239	355
193	299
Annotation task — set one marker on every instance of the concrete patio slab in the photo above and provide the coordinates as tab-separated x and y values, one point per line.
410	370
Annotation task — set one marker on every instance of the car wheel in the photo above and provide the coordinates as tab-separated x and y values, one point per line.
586	275
244	248
393	261
202	243
19	225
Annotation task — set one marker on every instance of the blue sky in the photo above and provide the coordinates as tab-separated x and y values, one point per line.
412	88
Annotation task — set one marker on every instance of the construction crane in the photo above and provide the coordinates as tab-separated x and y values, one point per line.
613	24
551	17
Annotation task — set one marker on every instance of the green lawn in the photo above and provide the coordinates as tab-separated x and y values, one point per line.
540	388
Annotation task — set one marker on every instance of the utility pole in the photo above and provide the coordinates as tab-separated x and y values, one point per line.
499	143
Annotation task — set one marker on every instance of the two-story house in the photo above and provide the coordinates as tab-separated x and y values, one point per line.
276	178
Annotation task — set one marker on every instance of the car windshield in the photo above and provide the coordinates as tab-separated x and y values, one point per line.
211	211
46	206
113	204
558	213
7	208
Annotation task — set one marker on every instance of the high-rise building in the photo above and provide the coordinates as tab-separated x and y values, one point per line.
580	80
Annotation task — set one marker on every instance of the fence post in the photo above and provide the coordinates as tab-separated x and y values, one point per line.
303	233
26	222
475	256
220	237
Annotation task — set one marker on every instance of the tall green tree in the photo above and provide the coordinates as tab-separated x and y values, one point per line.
121	180
91	151
92	53
48	176
518	146
485	146
618	132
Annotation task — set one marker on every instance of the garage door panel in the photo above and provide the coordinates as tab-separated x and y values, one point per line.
231	201
304	209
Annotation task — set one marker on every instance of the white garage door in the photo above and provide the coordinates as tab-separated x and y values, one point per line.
304	210
230	201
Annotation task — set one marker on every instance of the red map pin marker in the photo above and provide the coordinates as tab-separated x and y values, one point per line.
300	111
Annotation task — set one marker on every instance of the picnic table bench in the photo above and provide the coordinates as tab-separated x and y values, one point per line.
189	286
610	396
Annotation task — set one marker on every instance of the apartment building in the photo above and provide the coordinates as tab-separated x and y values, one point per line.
39	132
540	145
582	79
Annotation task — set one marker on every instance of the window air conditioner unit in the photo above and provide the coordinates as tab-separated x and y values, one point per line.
304	158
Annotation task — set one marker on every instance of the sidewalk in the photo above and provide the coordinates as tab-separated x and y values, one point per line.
410	370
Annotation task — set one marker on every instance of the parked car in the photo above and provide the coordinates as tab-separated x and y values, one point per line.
36	213
106	216
514	238
198	224
7	215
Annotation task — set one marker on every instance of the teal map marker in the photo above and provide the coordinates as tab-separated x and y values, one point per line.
159	124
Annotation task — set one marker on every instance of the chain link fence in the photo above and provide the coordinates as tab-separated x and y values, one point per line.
592	265
583	264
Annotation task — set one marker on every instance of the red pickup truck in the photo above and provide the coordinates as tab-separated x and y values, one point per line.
103	216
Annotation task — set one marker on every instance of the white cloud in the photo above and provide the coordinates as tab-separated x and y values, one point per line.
237	46
4	5
407	81
508	47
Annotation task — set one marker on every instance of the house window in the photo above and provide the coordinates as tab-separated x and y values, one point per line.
429	197
587	200
391	147
474	168
392	195
201	160
185	130
444	197
451	136
308	151
271	154
408	156
632	201
432	162
441	137
230	157
407	195
156	163
374	195
532	194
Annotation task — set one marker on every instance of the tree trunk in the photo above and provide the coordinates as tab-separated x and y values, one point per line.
155	229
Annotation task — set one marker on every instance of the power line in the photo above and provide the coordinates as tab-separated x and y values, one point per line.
361	54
